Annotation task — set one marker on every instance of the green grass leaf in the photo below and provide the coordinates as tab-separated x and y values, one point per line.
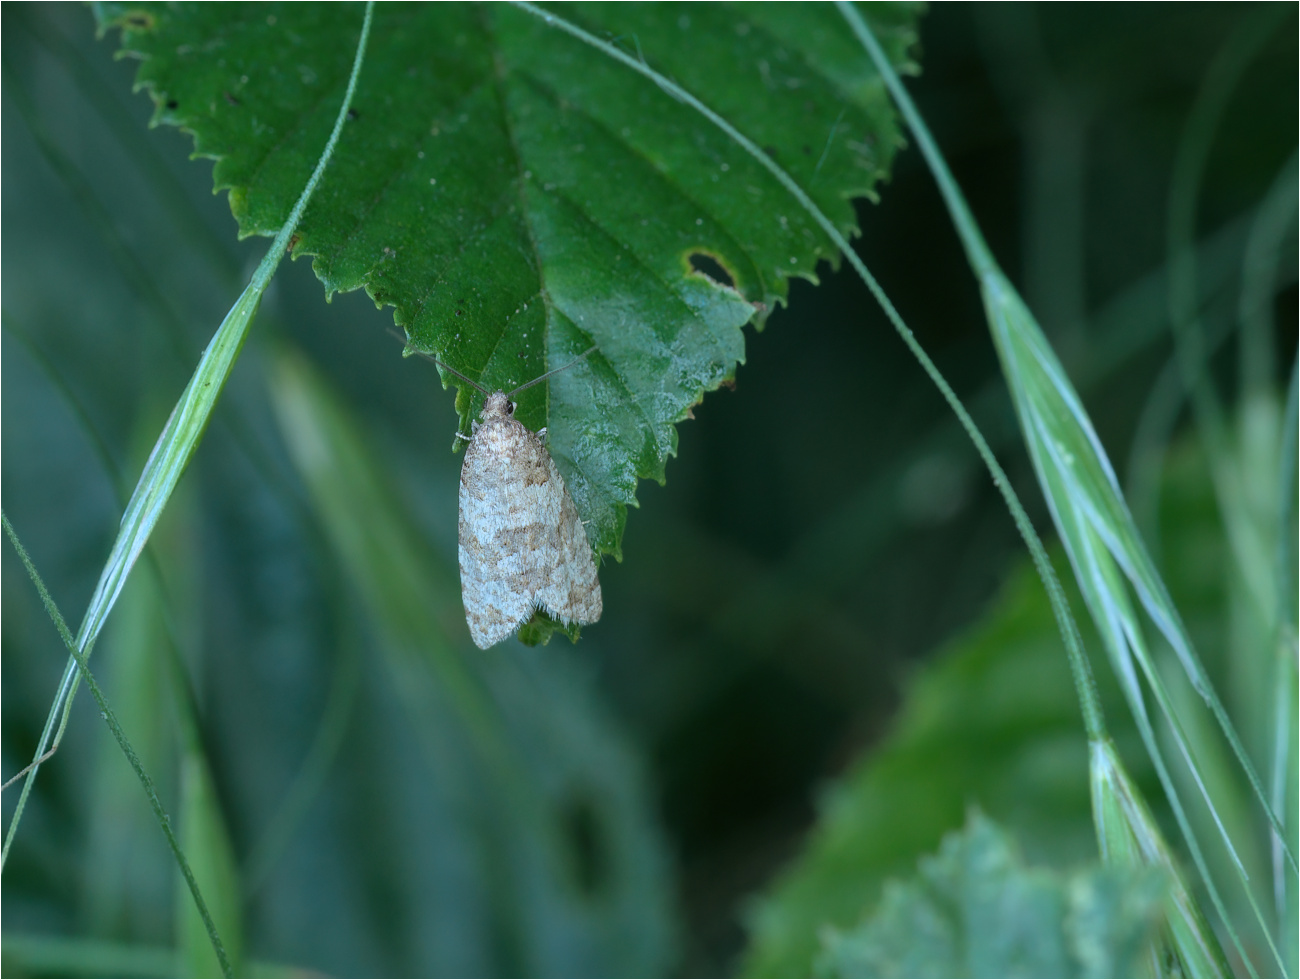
518	197
1106	550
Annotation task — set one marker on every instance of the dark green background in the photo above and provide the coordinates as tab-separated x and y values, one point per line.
823	527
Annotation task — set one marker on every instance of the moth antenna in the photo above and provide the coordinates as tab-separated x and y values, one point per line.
445	367
556	371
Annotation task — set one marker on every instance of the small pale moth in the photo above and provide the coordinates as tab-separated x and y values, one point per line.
523	546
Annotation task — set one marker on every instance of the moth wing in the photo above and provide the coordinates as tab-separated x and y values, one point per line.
572	591
516	534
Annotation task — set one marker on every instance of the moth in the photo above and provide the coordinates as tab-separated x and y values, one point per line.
523	546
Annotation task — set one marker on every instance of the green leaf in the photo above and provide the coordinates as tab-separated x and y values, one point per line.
518	197
975	910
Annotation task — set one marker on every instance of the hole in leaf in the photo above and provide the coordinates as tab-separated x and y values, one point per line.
709	267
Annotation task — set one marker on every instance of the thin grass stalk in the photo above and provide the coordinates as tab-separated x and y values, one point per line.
1085	685
1132	557
1102	586
150	790
1286	642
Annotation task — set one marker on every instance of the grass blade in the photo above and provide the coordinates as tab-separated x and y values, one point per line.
181	436
79	661
162	472
1084	496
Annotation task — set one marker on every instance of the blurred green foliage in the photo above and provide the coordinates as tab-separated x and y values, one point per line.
991	722
394	806
968	736
976	910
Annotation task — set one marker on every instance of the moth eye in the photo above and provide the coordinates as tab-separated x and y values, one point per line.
510	408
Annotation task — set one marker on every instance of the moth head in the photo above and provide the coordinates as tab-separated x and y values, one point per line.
498	406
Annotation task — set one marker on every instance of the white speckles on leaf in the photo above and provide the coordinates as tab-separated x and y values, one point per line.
522	544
